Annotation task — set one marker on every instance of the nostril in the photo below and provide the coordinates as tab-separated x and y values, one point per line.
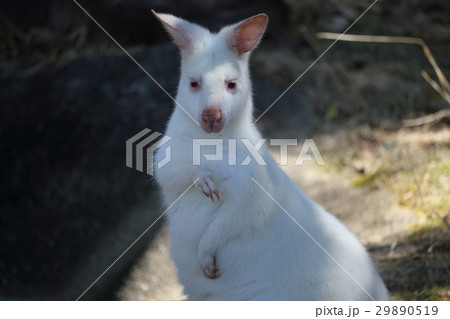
212	120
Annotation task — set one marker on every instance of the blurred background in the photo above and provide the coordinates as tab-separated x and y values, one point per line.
70	98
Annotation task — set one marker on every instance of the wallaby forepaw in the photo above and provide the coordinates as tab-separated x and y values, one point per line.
209	267
207	185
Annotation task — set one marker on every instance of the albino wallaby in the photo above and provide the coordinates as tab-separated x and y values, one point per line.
237	243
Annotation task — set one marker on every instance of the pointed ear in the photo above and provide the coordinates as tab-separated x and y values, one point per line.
246	34
173	25
181	31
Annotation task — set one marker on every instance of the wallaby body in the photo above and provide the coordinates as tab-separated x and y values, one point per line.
255	235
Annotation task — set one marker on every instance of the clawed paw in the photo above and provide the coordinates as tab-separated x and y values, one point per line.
207	185
209	267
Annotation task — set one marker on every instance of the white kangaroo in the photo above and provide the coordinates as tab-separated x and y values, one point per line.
240	242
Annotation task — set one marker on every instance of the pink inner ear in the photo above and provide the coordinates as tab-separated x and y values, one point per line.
249	38
247	35
180	39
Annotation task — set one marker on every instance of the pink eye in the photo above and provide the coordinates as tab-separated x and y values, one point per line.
194	84
232	85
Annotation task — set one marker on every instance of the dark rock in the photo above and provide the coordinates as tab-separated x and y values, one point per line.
64	179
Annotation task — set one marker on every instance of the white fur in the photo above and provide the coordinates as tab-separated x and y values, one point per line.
259	251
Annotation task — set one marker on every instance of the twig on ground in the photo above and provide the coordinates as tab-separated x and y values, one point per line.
427	119
443	89
434	85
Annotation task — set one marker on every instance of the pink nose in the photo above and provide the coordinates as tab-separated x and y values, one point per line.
212	120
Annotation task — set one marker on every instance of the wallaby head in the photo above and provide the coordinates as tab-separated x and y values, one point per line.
214	86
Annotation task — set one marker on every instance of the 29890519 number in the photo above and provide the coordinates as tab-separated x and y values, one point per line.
407	310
